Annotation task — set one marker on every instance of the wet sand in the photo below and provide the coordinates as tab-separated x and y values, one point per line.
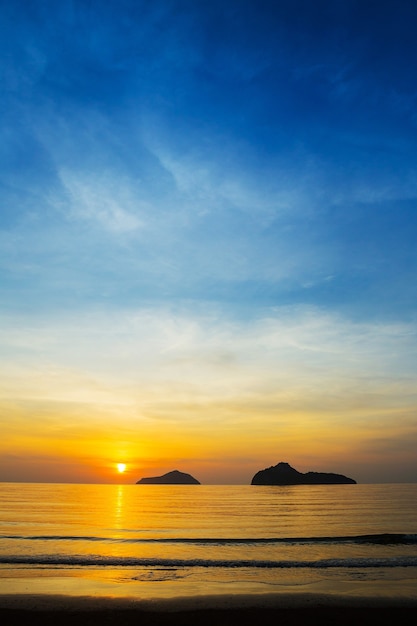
266	610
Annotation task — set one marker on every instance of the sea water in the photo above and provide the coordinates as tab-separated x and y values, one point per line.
161	541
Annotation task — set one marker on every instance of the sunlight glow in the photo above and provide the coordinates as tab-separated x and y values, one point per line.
121	467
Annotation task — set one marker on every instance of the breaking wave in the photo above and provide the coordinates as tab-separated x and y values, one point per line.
377	539
103	561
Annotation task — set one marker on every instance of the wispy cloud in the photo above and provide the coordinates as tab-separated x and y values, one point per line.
102	199
301	351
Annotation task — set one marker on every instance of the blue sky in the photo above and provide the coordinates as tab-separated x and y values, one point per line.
212	202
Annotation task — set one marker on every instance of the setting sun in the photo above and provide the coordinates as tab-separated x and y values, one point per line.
121	467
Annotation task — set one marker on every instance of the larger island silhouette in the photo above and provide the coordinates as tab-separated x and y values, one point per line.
284	474
280	474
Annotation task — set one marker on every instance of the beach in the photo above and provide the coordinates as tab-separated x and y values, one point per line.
45	610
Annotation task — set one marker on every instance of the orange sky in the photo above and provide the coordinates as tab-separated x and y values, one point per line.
217	400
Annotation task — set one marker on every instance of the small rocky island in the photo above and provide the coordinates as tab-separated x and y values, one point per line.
284	474
171	478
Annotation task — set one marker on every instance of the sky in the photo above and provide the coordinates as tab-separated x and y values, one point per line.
208	224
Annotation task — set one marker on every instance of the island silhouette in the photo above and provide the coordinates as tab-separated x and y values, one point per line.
170	478
284	474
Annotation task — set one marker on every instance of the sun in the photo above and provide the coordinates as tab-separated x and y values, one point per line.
121	467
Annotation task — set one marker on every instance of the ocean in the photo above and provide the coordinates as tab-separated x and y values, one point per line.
165	541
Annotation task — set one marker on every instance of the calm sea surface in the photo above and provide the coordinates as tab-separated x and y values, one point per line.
153	541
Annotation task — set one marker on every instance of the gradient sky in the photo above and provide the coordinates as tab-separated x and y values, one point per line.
208	236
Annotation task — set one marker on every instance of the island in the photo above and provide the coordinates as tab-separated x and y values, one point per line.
171	478
284	474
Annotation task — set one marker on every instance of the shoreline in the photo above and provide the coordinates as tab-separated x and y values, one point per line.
234	601
269	609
